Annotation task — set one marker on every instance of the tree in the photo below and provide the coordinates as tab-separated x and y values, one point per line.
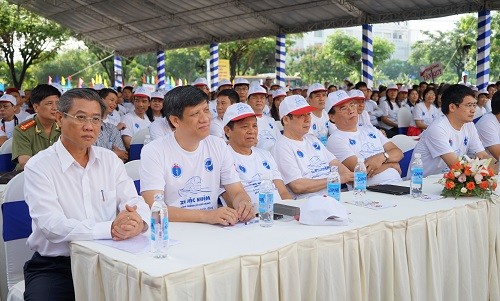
106	62
32	38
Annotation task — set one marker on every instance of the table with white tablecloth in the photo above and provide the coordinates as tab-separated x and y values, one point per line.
441	250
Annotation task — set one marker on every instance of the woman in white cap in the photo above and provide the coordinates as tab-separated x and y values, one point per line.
390	108
155	110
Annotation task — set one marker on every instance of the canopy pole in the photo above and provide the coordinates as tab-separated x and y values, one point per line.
367	55
483	49
280	58
160	69
214	66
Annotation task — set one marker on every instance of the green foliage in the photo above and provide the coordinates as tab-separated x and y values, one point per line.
33	38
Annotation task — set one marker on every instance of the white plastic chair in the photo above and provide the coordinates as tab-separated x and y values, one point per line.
406	144
16	225
136	144
6	147
132	168
404	119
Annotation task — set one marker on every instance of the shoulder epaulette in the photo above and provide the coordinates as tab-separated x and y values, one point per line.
27	124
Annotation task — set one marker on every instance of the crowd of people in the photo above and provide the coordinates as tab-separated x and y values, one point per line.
210	150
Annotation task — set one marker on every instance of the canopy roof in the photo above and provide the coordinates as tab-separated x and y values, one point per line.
131	27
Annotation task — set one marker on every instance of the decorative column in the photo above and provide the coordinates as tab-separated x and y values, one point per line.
214	66
118	71
367	55
280	57
160	69
483	49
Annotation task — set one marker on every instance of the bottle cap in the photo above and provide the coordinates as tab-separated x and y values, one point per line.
361	160
417	155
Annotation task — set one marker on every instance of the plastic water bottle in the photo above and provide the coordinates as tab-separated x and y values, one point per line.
333	183
360	181
159	227
147	139
266	201
323	134
417	175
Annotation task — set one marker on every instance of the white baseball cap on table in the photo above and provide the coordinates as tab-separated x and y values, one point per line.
336	98
8	98
256	89
295	105
315	88
237	111
157	94
142	91
323	211
356	94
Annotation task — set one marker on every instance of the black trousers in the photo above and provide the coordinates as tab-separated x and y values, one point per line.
48	278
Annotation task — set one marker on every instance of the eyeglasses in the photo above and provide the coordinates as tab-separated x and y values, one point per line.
350	106
469	105
6	106
82	119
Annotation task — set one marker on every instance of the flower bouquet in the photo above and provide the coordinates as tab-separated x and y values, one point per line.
469	177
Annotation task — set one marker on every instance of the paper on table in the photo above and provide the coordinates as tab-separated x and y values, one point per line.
429	197
242	224
135	245
375	205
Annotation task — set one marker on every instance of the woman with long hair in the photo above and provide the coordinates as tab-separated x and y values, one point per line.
155	110
390	109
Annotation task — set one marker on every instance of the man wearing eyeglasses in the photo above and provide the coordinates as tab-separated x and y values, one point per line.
39	132
352	140
75	191
303	161
452	136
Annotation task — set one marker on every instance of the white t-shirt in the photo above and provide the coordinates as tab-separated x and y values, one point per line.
122	110
212	106
268	132
159	128
302	159
441	138
318	122
23	116
487	105
373	111
251	168
364	119
134	123
364	143
427	116
7	128
386	111
190	180
114	118
488	129
216	128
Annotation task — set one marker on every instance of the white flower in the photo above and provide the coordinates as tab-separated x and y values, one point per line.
478	178
463	190
457	174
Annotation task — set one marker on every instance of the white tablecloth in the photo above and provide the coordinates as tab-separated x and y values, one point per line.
442	250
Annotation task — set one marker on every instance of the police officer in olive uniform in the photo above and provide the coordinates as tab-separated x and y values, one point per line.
39	132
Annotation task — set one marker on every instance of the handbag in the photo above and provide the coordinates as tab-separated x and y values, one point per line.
413	131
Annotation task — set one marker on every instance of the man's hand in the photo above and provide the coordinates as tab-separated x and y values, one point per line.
373	163
224	215
127	224
122	154
245	210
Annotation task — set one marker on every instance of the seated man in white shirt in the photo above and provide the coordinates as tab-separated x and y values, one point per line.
225	98
75	191
304	162
137	119
190	165
488	128
8	117
240	126
351	141
453	135
268	132
316	97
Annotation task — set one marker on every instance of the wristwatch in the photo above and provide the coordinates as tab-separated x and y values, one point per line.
386	155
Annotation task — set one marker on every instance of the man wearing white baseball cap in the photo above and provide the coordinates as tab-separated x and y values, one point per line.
8	114
316	97
224	84
202	84
304	162
241	86
351	141
240	127
268	132
137	119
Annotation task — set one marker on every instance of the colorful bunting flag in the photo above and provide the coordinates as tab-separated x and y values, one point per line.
80	82
50	80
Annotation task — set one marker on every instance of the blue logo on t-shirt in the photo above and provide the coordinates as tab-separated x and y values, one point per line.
136	125
176	170
209	166
266	164
316	146
314	126
300	154
466	141
242	168
450	142
372	135
423	113
271	125
352	141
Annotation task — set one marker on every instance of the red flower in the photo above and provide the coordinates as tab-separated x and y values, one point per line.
456	166
467	172
490	172
449	185
470	185
494	185
449	175
484	185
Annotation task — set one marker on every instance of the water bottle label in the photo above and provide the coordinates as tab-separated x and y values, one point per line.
266	202
165	229
323	139
334	190
152	225
417	175
359	181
